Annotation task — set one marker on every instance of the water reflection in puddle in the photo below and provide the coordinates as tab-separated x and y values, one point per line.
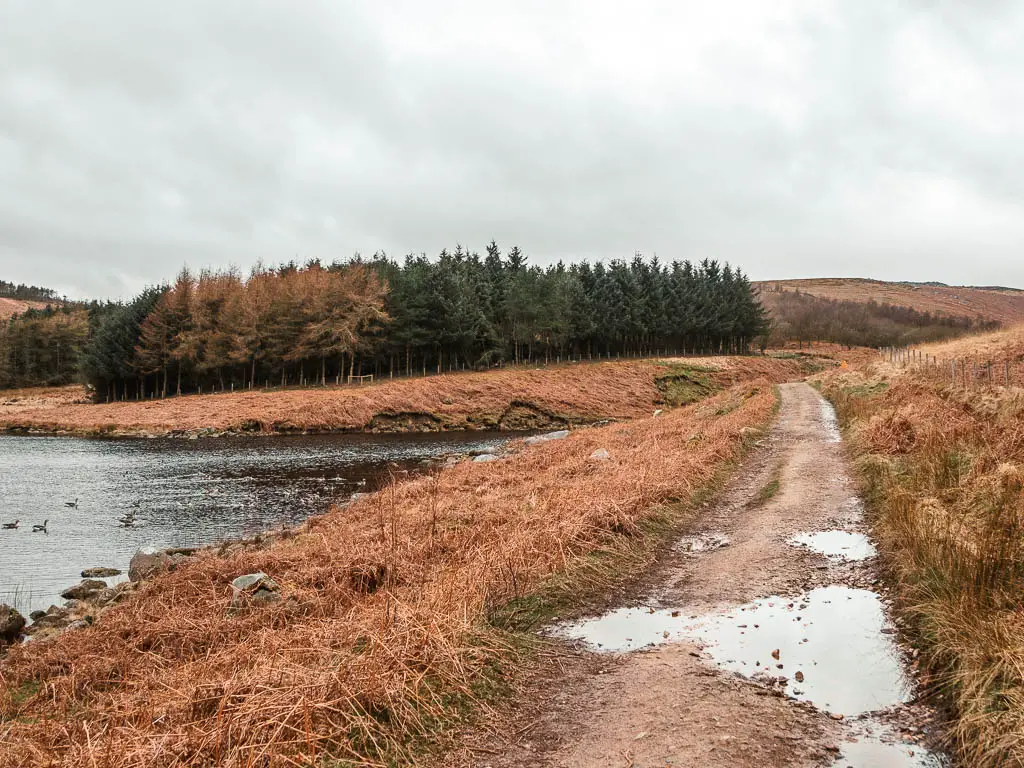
840	545
627	629
832	636
869	752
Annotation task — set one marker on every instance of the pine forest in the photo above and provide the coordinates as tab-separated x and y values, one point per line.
318	324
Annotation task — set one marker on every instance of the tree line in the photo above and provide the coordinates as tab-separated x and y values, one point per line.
315	323
798	316
26	292
299	325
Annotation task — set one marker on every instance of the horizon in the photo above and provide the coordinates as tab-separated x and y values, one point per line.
170	279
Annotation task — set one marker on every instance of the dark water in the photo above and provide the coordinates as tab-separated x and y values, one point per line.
184	493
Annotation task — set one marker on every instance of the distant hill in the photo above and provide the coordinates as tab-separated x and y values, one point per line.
992	303
16	298
11	307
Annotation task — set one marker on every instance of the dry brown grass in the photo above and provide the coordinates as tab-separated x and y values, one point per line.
998	346
170	678
1007	306
945	474
840	353
978	360
15	401
581	392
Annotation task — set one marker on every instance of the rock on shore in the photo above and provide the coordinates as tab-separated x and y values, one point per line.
83	589
11	625
100	573
253	588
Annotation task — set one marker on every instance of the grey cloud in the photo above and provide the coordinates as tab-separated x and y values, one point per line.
795	139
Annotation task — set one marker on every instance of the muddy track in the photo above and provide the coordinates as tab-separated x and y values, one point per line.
671	678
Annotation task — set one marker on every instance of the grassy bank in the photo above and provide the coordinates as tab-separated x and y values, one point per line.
502	399
401	611
944	472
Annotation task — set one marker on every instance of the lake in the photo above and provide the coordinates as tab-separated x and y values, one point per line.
184	493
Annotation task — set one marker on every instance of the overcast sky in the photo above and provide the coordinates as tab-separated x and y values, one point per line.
872	138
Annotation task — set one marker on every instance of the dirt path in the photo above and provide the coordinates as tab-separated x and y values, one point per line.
697	696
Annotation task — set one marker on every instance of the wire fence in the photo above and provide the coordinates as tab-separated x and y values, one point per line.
959	371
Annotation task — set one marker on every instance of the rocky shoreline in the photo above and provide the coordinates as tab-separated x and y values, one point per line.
518	417
85	601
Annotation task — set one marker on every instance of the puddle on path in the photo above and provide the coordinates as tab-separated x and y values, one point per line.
627	629
838	545
869	752
707	542
834	637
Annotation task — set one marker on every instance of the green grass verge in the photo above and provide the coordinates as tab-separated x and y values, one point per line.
770	489
682	384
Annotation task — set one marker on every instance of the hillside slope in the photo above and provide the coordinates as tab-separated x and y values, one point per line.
12	307
1003	304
